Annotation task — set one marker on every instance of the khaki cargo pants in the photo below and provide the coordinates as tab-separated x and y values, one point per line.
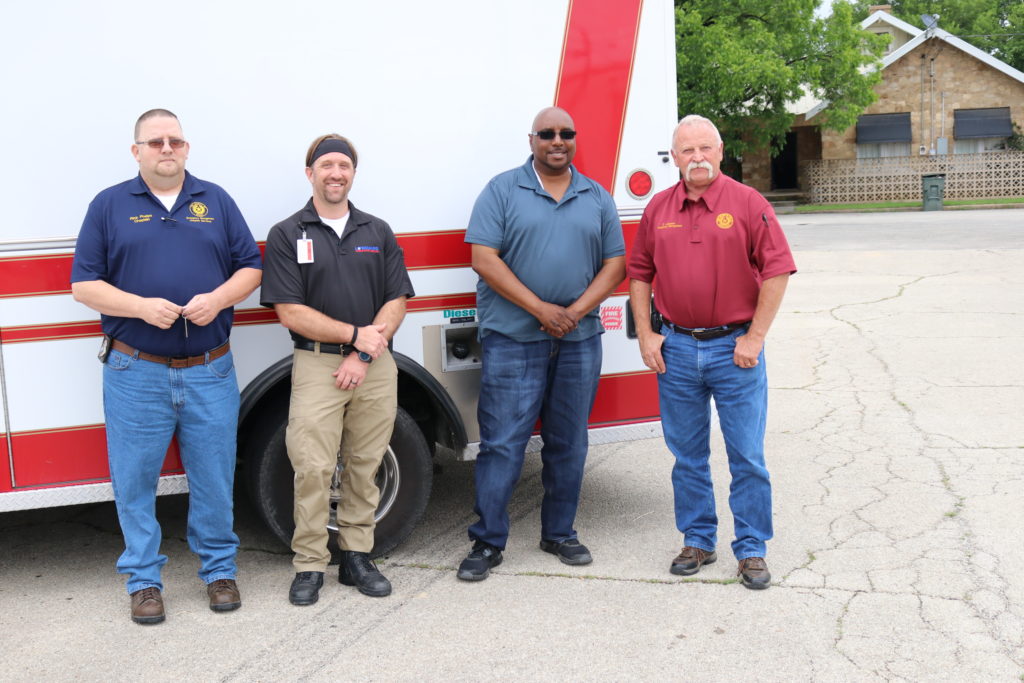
320	418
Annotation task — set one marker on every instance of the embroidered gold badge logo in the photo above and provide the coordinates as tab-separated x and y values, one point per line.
724	221
198	209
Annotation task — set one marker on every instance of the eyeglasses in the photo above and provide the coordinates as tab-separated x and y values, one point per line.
548	134
158	143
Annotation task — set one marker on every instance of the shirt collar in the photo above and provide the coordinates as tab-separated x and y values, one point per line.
308	215
190	186
711	195
530	179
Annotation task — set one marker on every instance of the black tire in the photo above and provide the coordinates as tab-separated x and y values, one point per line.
405	478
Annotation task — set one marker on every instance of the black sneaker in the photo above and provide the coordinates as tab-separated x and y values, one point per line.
358	570
305	588
569	551
478	564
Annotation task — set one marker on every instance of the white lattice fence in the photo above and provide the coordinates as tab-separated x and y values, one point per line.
968	176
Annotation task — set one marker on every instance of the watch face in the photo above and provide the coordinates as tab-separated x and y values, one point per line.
365	357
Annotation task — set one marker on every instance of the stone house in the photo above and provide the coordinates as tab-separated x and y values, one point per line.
941	102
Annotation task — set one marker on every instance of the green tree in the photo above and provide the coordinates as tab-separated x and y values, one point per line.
995	26
741	62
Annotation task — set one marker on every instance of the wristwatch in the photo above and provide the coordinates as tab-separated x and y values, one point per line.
364	356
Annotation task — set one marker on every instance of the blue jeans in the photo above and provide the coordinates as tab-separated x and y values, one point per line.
697	371
552	380
145	404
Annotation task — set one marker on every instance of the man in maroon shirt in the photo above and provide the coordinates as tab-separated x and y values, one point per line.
720	263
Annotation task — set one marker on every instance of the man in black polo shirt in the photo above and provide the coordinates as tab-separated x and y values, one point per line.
336	278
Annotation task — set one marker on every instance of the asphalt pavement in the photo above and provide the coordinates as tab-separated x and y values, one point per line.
896	448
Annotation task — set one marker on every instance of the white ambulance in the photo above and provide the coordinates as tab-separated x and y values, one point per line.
438	98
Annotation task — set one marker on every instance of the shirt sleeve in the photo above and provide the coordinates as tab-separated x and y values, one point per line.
770	249
282	279
612	241
90	262
640	265
244	252
487	222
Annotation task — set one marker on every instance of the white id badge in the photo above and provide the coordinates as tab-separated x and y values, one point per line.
304	250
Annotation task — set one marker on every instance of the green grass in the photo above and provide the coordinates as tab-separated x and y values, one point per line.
882	206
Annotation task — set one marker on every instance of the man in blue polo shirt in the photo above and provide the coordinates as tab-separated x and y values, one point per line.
164	257
548	247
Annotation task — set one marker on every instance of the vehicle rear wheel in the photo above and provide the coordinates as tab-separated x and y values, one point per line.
404	478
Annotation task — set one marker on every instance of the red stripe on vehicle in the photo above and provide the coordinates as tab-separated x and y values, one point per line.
72	455
593	81
35	275
78	455
626	398
431	250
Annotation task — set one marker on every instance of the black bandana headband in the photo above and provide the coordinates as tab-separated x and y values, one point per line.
332	145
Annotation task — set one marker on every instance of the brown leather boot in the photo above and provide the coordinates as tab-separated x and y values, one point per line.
753	571
690	560
147	606
224	595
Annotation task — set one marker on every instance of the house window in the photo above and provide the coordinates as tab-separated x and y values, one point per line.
877	150
979	145
981	130
883	135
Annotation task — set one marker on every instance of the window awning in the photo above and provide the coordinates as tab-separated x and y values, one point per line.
883	128
982	123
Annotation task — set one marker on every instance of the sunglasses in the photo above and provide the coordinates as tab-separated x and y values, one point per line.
158	143
548	134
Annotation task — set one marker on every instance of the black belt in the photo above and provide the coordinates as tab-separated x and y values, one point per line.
706	333
341	349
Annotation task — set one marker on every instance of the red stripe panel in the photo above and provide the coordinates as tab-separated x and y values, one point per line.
30	333
35	275
597	63
429	250
64	456
254	316
441	302
626	398
78	455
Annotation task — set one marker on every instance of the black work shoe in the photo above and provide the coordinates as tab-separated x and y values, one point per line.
691	559
305	588
569	551
753	572
357	570
478	564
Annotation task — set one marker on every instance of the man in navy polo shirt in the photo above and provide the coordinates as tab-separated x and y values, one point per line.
548	247
164	257
720	263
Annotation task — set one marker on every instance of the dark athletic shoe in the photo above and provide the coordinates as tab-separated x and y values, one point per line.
478	564
569	551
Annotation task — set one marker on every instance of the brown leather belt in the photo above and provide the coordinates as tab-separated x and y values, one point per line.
706	333
179	362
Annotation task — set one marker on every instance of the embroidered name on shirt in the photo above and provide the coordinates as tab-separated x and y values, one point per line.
141	218
670	224
367	250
